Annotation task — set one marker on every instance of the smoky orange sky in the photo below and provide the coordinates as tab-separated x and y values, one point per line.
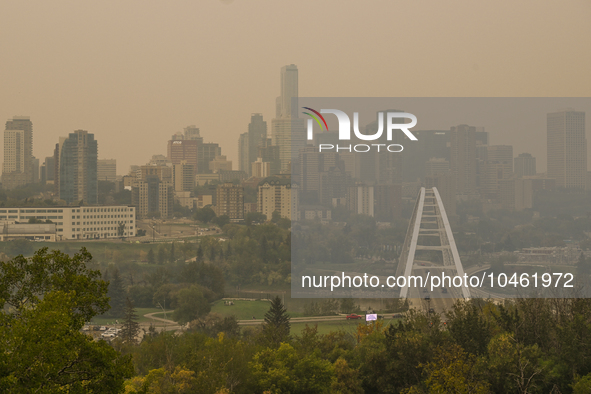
135	72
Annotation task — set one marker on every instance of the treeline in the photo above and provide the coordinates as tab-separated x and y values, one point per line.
250	255
521	346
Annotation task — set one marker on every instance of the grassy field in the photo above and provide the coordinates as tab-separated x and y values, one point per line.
140	312
243	310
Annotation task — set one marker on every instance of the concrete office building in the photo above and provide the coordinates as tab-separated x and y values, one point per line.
220	163
567	149
79	222
18	152
183	177
107	170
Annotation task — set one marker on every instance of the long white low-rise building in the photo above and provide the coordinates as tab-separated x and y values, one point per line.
79	222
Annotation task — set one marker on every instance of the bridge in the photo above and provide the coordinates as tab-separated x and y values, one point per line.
430	249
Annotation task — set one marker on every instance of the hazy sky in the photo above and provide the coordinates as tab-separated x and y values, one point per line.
135	72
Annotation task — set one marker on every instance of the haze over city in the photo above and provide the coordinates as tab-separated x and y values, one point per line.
133	74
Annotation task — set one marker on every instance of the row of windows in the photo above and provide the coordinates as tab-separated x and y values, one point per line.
100	229
32	210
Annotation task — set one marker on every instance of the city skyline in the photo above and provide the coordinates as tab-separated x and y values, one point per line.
111	70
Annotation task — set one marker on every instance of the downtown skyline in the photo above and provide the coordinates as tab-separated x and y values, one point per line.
128	79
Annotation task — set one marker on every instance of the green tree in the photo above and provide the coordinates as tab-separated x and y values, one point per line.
131	327
172	258
199	253
205	214
191	305
277	326
255	217
346	379
222	220
348	305
583	266
151	258
161	254
117	294
44	302
283	370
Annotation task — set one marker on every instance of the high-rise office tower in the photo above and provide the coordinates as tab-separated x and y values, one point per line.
78	178
183	176
289	89
567	149
524	165
463	159
287	131
18	152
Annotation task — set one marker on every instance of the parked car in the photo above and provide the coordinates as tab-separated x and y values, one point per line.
85	328
108	335
431	310
103	328
353	316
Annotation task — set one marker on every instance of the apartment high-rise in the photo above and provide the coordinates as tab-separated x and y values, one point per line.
275	194
463	159
360	200
524	165
567	149
18	152
229	201
78	178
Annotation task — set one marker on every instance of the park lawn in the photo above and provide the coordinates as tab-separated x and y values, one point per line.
243	310
139	311
325	327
